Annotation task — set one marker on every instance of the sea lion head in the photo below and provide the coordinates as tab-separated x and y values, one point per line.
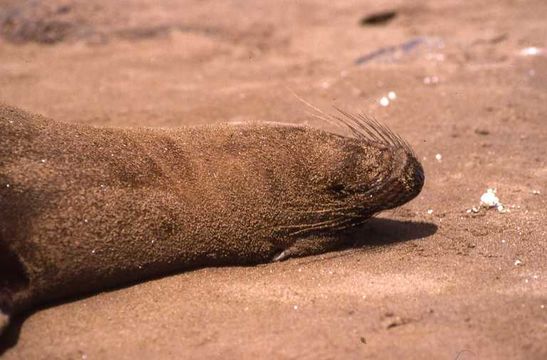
376	168
357	176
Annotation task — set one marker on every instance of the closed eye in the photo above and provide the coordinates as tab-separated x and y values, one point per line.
337	189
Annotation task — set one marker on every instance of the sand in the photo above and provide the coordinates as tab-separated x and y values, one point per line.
432	280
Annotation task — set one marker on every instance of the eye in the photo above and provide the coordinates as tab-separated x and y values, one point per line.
337	188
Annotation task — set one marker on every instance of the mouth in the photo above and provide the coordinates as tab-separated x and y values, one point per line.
419	176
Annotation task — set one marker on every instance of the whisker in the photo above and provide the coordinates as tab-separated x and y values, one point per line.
324	211
312	225
378	128
372	127
333	121
361	126
334	225
351	225
354	130
370	135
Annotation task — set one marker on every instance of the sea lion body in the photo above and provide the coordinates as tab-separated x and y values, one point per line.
84	209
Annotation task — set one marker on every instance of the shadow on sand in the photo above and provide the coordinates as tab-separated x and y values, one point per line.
380	232
377	232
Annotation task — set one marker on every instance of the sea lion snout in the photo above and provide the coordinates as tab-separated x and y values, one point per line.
404	183
377	170
416	178
410	181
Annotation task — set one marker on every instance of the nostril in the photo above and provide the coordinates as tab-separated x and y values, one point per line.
419	174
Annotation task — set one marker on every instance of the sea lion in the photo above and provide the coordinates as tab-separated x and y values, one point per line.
84	209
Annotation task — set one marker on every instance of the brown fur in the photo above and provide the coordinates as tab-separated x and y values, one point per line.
84	209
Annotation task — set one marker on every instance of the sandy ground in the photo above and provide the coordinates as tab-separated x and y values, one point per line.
433	281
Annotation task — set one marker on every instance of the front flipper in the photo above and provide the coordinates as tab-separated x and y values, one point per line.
311	246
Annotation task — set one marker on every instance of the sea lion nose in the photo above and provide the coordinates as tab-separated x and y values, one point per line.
419	176
416	176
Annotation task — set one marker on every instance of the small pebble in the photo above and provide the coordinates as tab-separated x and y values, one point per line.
391	95
480	131
435	57
438	157
392	321
532	51
428	80
490	200
384	101
518	262
473	210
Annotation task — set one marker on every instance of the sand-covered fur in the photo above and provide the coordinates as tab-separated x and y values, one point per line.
88	208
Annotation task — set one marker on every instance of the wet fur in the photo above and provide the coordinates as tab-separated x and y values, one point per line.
85	209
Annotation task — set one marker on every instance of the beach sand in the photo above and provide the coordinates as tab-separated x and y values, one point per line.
464	83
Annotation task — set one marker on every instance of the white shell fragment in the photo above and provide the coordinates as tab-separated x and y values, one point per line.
430	80
489	200
384	101
532	51
474	210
